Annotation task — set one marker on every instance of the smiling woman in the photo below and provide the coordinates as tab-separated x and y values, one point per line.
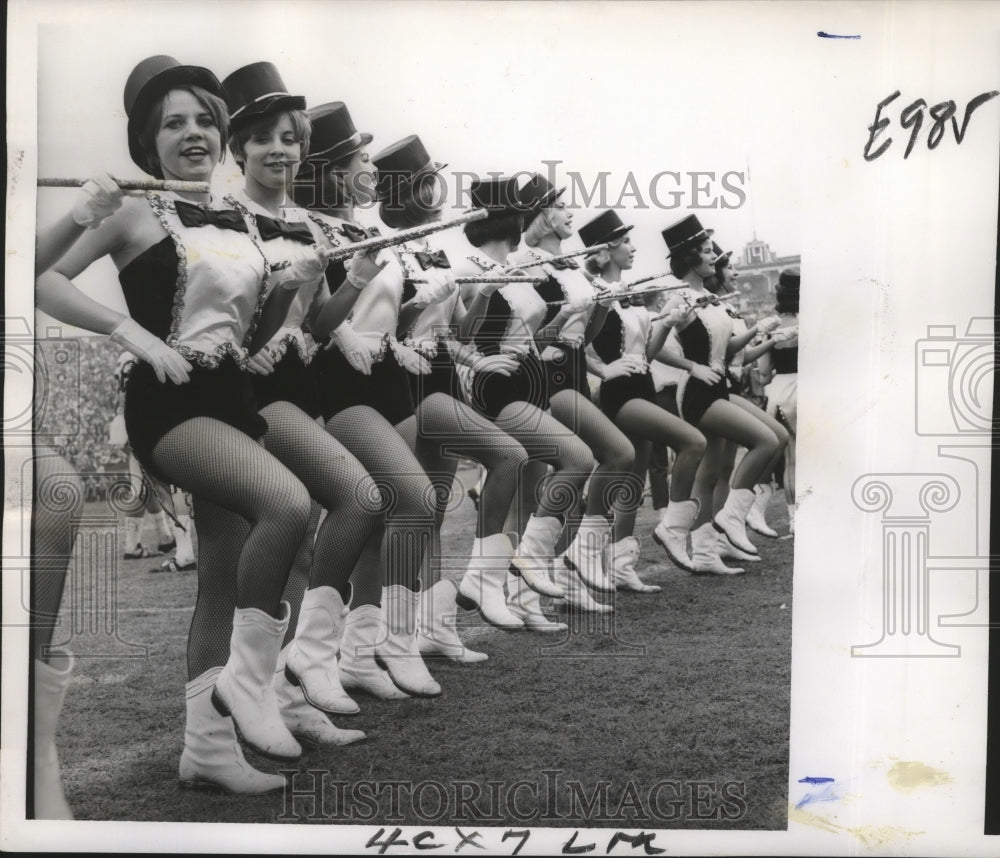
195	283
165	136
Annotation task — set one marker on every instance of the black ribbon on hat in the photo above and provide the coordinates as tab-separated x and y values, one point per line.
271	228
563	264
355	234
192	215
437	259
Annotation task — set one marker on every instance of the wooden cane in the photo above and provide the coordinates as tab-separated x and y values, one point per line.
371	245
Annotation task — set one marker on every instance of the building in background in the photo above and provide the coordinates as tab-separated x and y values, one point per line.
759	268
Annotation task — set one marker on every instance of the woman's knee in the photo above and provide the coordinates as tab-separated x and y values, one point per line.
410	496
619	457
287	501
575	456
59	489
767	441
694	445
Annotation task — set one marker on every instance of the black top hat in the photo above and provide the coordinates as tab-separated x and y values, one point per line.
685	232
607	226
153	78
256	90
497	195
333	133
537	193
401	164
723	256
788	282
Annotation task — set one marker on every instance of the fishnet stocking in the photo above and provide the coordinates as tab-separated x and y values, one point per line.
337	481
225	466
406	497
58	501
447	430
546	442
221	537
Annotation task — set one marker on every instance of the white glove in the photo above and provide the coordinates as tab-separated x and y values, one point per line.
164	360
434	291
676	316
785	335
625	365
551	353
354	347
581	304
410	360
765	326
299	265
500	364
261	363
364	268
99	198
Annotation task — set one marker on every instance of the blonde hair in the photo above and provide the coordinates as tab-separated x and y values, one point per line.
539	228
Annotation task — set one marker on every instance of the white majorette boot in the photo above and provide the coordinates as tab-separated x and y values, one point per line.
212	757
245	687
526	604
436	633
51	681
705	552
399	649
732	519
755	518
306	723
728	551
584	554
184	556
620	558
791	519
673	530
576	593
311	659
481	588
363	631
534	554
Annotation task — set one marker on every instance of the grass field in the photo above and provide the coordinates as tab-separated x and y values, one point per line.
672	714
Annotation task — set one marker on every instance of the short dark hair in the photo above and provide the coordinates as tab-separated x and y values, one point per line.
151	127
683	260
786	302
245	130
409	203
499	226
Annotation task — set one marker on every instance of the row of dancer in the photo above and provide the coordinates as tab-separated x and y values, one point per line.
234	402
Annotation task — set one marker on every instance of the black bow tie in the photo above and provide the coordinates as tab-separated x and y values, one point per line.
271	228
355	233
563	264
192	215
437	259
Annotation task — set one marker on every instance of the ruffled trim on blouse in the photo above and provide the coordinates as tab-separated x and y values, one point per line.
160	206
